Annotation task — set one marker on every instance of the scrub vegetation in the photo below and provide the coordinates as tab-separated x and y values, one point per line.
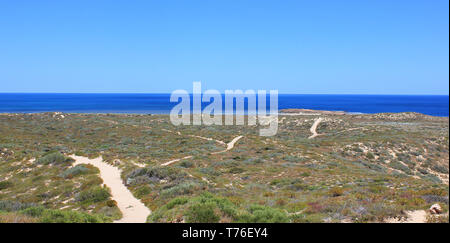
360	168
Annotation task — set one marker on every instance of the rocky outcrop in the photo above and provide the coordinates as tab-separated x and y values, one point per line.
435	209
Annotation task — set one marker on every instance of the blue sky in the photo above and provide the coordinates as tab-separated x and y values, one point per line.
309	47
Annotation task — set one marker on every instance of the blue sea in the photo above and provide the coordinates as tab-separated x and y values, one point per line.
436	105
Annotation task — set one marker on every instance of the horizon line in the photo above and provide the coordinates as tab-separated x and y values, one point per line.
220	93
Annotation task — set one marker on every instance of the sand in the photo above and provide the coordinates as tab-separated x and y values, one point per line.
417	216
133	210
230	145
175	160
314	127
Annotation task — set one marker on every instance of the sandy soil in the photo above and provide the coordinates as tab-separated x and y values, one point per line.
133	210
418	216
230	145
209	139
175	160
195	136
314	127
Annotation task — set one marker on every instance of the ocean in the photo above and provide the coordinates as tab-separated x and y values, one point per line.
435	105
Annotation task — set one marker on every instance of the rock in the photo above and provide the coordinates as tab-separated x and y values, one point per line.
435	209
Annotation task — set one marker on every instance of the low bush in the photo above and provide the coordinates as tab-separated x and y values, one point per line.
263	214
54	158
187	164
10	206
96	194
149	174
111	203
5	184
211	171
399	166
336	192
142	191
306	218
236	170
62	216
205	208
13	217
181	189
74	171
203	213
176	201
440	169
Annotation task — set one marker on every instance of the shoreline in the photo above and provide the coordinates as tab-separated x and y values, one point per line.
281	112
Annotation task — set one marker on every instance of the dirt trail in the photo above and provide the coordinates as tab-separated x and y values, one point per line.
230	145
314	127
133	210
176	160
417	216
195	136
209	139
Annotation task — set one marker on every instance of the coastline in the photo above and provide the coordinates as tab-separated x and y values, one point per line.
281	112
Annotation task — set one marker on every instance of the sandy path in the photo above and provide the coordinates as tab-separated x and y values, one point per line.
133	210
176	160
314	127
230	145
417	216
209	139
195	136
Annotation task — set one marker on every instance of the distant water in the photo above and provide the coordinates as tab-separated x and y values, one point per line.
436	105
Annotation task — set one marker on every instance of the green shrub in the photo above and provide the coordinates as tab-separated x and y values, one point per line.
149	174
10	206
291	158
142	191
187	164
111	203
62	216
336	192
14	217
54	158
176	201
96	194
263	214
440	169
209	171
306	218
203	208
202	213
236	170
181	189
5	184
432	178
399	166
74	171
34	211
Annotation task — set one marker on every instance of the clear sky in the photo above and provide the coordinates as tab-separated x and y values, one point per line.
318	47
